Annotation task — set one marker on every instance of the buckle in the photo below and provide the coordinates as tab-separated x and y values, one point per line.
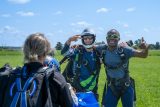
120	50
85	62
71	80
127	84
125	65
109	84
78	66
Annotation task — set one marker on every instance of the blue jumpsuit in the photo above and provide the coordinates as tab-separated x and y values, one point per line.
112	58
90	57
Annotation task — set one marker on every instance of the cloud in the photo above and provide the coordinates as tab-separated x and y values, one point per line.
146	30
131	9
125	25
128	34
11	36
21	13
81	24
58	13
102	10
9	29
60	31
6	15
19	1
101	28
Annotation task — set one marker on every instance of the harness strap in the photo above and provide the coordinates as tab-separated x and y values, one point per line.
89	83
22	91
121	53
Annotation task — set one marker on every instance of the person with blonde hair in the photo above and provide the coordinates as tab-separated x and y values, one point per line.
34	85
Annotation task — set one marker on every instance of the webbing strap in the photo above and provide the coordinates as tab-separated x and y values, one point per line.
121	53
21	92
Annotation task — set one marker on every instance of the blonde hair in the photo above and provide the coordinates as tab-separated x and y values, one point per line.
35	46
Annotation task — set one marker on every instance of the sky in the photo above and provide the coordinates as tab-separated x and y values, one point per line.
61	19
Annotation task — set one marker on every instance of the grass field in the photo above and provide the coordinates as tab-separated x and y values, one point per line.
146	73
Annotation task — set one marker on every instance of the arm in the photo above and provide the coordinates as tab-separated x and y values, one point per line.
68	42
3	88
59	90
141	53
66	97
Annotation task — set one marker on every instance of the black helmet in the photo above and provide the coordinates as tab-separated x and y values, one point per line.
88	32
113	34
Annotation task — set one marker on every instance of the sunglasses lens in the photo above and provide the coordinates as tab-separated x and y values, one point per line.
113	36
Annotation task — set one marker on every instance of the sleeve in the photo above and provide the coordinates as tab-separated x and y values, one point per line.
65	49
129	52
64	96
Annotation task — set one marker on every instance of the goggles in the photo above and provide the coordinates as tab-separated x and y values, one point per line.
87	37
112	36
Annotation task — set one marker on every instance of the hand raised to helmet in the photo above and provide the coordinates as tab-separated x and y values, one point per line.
74	38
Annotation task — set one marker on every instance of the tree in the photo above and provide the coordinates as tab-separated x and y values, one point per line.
151	46
59	46
157	46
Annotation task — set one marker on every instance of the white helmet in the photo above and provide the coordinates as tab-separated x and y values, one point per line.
88	32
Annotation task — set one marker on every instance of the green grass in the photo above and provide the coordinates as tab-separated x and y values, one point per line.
145	72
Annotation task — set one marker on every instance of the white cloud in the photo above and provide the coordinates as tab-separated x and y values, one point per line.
128	34
9	29
21	13
125	25
102	10
81	24
146	30
19	1
6	15
101	28
60	31
131	9
122	24
58	12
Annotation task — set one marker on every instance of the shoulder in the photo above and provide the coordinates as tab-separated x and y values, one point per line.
101	47
127	49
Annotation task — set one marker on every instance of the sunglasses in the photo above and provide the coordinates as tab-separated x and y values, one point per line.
112	36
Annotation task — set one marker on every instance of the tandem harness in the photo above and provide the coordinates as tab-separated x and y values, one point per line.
91	82
124	82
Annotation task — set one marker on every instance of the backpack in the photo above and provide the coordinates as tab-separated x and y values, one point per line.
27	90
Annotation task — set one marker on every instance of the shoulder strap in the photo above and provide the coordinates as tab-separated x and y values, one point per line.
5	70
104	53
47	74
